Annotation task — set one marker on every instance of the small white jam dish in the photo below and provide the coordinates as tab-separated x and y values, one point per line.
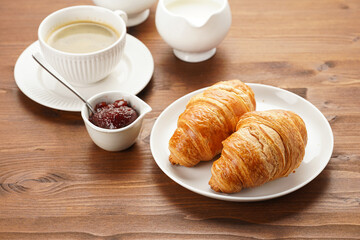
137	10
193	28
121	138
86	67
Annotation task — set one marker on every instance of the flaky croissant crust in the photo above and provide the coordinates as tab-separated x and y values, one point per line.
266	145
209	118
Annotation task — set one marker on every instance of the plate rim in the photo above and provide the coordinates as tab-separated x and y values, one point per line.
229	197
27	92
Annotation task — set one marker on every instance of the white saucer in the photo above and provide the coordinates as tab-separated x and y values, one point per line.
131	75
317	154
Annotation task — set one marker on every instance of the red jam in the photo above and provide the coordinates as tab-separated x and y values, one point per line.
113	116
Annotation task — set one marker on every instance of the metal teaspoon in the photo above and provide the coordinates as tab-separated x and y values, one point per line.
39	59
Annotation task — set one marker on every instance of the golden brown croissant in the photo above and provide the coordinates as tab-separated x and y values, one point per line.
209	118
266	145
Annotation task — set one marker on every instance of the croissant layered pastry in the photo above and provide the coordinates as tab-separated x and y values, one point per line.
266	145
209	118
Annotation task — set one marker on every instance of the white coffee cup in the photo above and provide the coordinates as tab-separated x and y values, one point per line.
84	68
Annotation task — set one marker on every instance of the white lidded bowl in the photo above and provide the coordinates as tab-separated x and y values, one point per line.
115	139
137	10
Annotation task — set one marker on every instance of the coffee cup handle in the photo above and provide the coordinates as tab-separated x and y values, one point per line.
122	14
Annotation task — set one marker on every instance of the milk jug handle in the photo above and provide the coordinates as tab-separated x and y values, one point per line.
122	14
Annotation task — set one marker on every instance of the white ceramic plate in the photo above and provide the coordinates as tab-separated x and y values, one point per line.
317	154
131	75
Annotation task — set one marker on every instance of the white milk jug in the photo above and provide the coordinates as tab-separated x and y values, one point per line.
193	28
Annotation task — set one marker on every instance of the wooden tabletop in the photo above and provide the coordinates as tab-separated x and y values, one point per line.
55	183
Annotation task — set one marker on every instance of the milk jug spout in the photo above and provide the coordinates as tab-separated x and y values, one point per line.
197	13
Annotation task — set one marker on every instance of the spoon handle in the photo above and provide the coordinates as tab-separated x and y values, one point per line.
40	60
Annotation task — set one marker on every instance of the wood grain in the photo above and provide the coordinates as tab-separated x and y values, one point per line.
56	184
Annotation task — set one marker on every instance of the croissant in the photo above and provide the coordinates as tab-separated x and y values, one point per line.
266	145
209	118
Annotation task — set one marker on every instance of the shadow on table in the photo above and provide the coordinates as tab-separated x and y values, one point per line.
186	76
48	114
197	207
